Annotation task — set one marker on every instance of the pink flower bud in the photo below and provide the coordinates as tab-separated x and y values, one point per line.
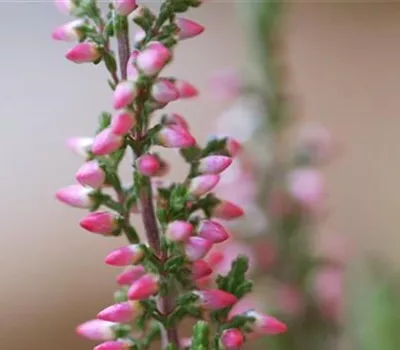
76	196
80	145
122	313
96	330
197	248
227	211
214	164
148	164
114	345
100	222
233	146
215	299
124	94
266	324
91	174
124	256
69	31
185	89
131	70
185	342
202	184
140	35
328	287
106	142
83	53
213	231
175	137
130	275
179	231
144	287
200	269
175	119
187	28
122	122
225	85
232	339
307	186
164	91
124	7
65	6
153	58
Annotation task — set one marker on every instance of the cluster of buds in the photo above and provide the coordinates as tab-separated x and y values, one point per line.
158	286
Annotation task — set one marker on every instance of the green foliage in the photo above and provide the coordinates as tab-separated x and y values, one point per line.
200	337
374	308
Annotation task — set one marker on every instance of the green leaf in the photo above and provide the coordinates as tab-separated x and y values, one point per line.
200	338
190	154
215	146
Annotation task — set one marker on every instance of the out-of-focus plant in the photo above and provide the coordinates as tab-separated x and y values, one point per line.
281	188
373	307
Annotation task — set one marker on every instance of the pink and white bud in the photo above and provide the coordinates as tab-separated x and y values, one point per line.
214	164
164	91
130	275
143	288
185	342
179	231
265	324
212	231
328	287
232	339
123	122
197	248
83	53
175	119
225	85
153	58
69	31
148	165
114	345
139	35
188	28
175	137
202	184
100	222
91	174
307	186
124	94
76	196
215	299
131	70
124	7
65	6
122	312
226	210
185	89
97	330
125	256
201	269
106	142
233	146
244	305
80	145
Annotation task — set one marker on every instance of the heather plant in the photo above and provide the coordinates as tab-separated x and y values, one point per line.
157	288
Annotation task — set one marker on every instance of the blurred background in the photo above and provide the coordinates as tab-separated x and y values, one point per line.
341	61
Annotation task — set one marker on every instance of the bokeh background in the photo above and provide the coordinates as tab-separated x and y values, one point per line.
342	69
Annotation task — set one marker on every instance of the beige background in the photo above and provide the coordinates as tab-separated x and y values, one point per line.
343	63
